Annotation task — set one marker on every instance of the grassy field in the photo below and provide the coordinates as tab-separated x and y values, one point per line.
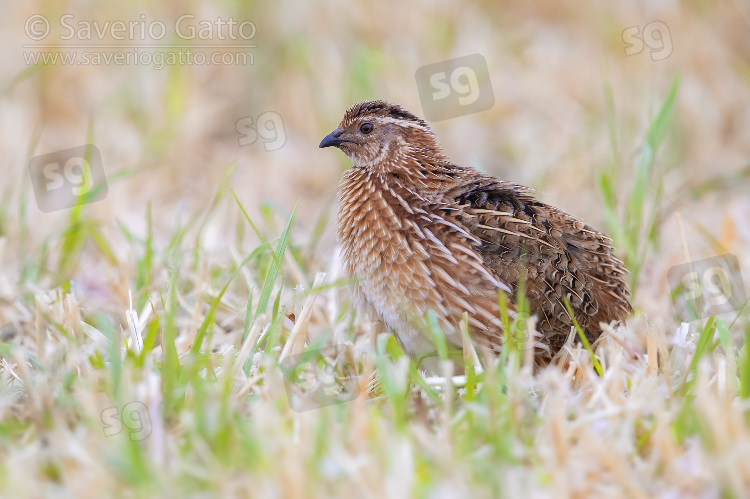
147	329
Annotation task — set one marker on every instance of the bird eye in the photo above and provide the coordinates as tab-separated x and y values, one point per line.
366	128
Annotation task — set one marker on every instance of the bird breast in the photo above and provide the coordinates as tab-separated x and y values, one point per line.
371	232
407	258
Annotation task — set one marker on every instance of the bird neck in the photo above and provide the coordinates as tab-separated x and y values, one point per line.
428	173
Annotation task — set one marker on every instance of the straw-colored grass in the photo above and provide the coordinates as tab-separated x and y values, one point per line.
144	338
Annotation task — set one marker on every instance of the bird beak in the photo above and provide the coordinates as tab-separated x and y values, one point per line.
332	139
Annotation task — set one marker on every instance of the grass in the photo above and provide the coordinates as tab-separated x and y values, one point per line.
198	394
189	398
633	234
143	343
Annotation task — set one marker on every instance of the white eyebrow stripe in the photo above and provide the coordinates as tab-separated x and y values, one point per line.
387	120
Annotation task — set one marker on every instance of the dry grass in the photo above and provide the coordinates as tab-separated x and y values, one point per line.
122	303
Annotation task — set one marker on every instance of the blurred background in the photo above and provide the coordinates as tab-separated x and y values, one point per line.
577	86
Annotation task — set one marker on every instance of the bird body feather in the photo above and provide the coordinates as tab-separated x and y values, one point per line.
420	233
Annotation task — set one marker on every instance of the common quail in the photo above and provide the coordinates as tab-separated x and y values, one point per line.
420	233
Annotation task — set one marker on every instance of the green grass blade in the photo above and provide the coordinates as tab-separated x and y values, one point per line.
582	337
275	267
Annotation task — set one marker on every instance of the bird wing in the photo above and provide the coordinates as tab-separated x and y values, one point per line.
556	255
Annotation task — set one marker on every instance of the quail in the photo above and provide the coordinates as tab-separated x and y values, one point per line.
419	233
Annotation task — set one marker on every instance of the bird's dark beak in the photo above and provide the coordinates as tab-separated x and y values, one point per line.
332	139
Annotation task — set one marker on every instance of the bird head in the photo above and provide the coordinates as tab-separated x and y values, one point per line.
383	136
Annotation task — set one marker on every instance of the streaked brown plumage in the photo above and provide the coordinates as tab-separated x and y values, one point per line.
420	233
